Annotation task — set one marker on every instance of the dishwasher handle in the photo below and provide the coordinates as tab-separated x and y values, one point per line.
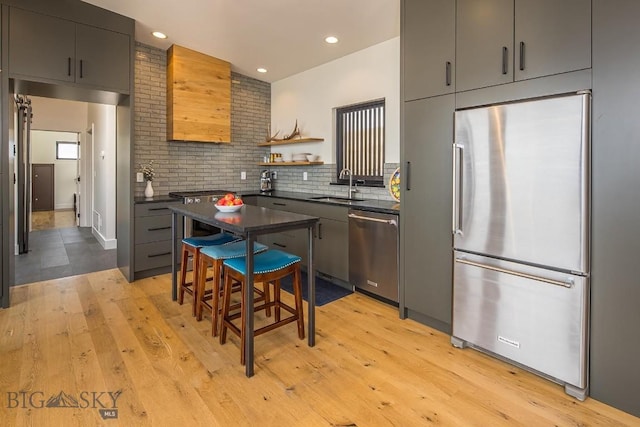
368	218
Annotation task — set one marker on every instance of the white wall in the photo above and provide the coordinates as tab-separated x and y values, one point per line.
58	114
103	118
43	150
311	96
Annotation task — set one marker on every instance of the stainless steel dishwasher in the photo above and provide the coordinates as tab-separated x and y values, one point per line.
373	253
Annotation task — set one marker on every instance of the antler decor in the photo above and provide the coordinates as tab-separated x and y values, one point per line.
269	137
293	134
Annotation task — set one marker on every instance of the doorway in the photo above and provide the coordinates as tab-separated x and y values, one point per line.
61	237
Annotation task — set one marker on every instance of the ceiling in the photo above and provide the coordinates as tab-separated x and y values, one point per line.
284	36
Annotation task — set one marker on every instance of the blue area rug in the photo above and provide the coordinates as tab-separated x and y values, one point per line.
326	291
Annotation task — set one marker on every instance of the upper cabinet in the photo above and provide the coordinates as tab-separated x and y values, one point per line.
50	49
484	40
551	37
501	41
198	97
428	45
102	58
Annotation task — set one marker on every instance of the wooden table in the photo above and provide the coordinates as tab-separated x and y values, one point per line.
248	223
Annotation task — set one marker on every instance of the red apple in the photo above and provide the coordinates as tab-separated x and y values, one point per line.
237	201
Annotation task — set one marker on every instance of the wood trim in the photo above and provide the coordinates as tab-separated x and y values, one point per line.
289	141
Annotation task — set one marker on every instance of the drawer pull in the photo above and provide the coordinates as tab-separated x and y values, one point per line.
280	245
157	255
279	204
158	209
159	228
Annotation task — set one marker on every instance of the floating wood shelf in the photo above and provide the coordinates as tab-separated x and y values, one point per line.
289	141
290	163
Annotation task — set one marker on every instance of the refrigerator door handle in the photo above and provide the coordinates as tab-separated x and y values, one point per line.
456	219
566	284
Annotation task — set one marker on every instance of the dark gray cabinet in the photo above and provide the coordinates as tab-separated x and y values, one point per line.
426	239
152	243
500	41
428	43
50	49
102	58
551	37
331	236
484	43
332	245
615	287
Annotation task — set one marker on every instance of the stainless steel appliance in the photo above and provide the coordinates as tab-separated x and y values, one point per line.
373	253
266	184
521	234
193	227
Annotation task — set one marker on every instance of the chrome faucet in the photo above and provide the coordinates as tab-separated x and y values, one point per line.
352	189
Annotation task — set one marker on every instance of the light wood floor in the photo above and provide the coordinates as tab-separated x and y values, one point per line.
97	333
46	220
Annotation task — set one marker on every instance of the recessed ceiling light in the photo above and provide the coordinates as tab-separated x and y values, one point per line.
331	39
262	70
159	35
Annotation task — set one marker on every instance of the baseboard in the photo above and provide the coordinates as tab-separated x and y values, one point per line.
105	243
62	206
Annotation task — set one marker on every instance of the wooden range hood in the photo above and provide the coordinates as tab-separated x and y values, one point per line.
198	97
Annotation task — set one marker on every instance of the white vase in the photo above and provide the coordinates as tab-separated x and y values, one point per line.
148	190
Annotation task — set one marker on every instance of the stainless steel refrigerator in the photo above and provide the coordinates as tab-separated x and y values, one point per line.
521	234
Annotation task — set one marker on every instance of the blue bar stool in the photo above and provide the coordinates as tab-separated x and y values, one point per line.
269	267
214	256
191	247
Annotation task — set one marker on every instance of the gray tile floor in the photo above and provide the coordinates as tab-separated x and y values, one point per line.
61	252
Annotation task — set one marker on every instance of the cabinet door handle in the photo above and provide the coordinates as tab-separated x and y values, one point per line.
81	74
279	204
159	228
280	245
69	66
505	59
521	56
319	231
407	176
448	73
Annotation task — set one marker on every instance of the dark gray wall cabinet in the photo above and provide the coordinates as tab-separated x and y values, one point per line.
50	49
501	41
428	33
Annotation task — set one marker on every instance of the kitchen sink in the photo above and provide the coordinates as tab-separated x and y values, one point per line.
335	199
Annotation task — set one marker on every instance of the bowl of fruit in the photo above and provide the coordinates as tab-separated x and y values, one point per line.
229	203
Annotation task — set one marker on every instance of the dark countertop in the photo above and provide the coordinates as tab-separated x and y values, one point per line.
157	198
382	206
249	219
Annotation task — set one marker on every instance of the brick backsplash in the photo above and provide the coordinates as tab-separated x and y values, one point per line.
197	165
319	177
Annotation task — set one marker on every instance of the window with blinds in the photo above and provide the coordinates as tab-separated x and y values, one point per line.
360	142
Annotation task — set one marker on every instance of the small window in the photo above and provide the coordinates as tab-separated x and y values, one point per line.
360	142
66	150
